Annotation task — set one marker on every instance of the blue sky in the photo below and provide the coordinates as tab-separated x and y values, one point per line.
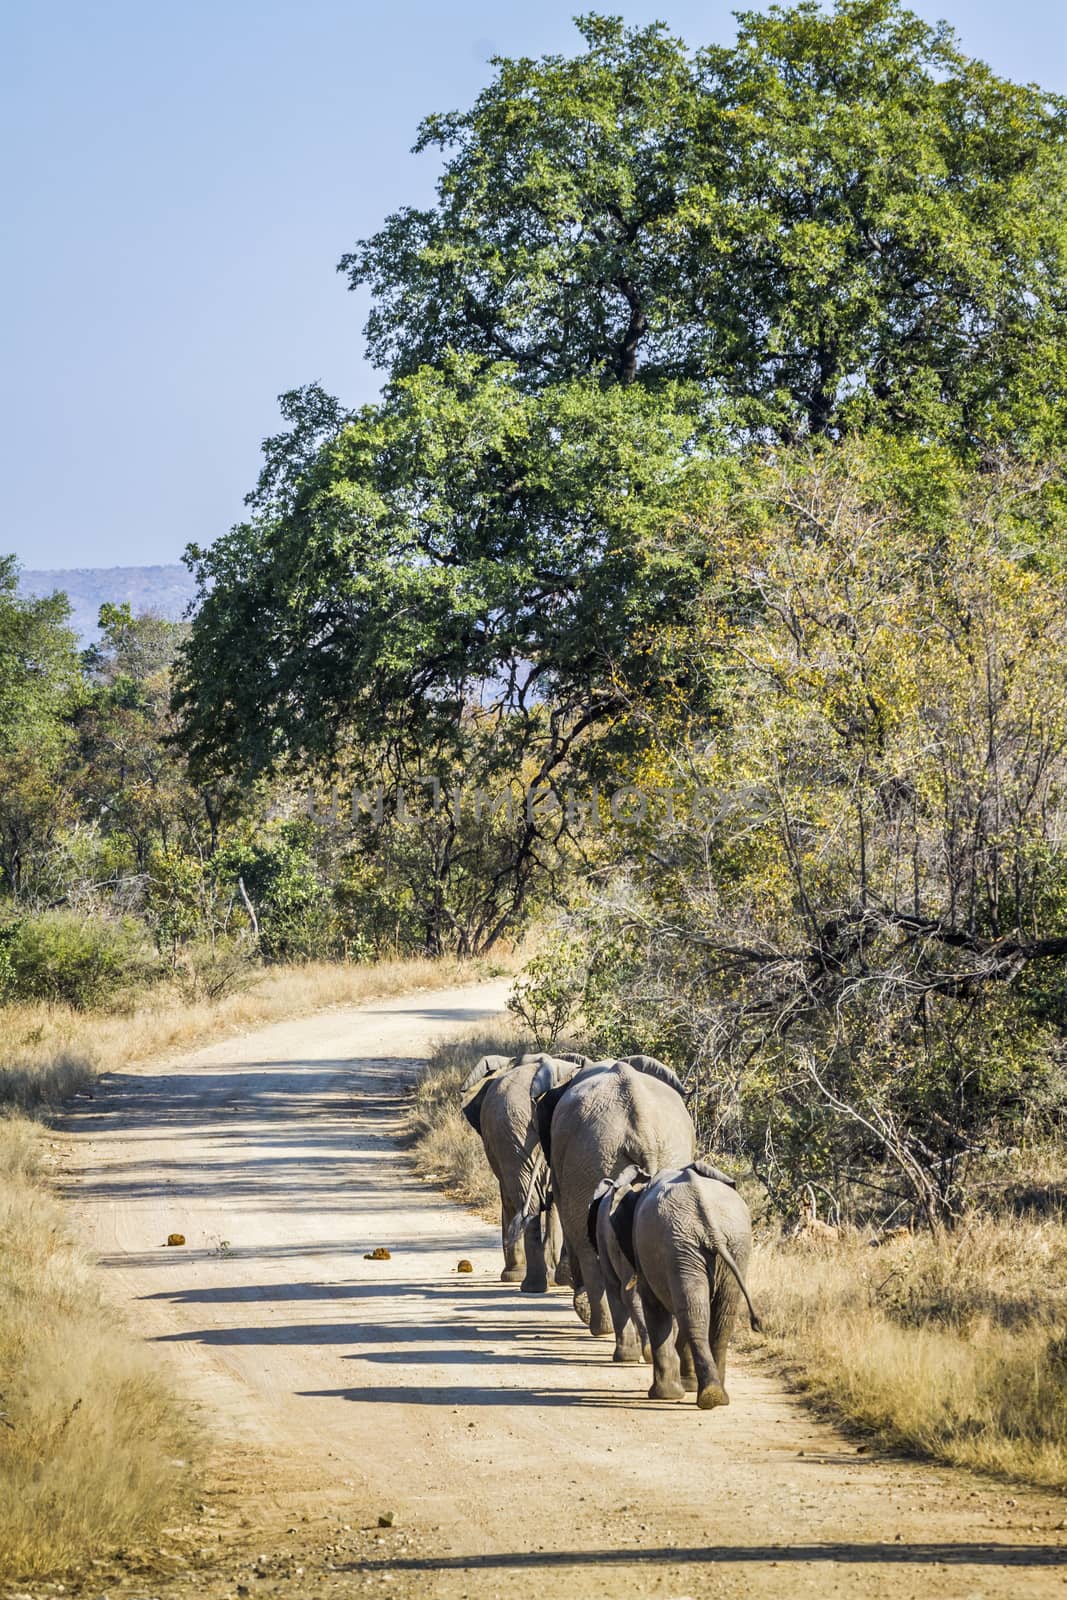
179	182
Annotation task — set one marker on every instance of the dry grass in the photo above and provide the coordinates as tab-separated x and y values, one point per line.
445	1147
47	1052
952	1348
93	1448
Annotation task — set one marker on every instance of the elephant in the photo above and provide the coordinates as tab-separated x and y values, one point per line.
610	1220
499	1109
687	1235
595	1121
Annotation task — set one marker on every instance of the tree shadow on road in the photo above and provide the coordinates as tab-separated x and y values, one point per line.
979	1554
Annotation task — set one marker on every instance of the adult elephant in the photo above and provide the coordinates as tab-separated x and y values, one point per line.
498	1107
593	1123
688	1235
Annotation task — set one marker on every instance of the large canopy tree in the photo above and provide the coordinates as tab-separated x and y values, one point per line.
860	955
465	552
838	214
466	588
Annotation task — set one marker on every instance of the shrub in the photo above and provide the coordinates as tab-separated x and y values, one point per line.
213	971
947	1345
77	961
280	881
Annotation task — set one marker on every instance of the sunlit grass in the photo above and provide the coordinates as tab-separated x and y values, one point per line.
93	1446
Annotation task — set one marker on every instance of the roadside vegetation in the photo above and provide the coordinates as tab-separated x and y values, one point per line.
94	1447
949	1345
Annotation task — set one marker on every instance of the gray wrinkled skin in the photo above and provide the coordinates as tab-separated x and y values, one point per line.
691	1241
611	1196
609	1117
500	1110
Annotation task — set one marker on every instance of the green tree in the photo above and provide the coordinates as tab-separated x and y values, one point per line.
643	262
463	587
462	534
281	888
133	784
842	213
40	682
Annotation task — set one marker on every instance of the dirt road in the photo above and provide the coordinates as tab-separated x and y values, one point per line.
514	1455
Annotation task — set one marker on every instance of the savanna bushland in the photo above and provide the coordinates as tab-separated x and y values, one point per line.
693	595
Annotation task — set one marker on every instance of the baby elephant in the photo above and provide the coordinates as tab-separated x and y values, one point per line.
687	1235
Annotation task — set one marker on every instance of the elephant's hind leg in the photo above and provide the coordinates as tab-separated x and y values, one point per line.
637	1313
666	1384
535	1280
563	1275
514	1250
685	1363
692	1298
627	1339
724	1303
592	1278
556	1263
588	1284
581	1298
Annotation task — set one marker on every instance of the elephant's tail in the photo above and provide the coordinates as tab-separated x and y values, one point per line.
728	1261
536	1198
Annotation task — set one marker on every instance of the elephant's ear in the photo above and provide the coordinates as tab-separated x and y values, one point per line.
543	1079
655	1069
487	1067
472	1107
705	1170
622	1222
605	1186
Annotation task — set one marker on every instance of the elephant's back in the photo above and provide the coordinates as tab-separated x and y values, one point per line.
720	1206
618	1117
683	1211
663	1134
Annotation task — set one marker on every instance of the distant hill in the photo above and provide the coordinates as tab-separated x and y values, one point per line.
164	591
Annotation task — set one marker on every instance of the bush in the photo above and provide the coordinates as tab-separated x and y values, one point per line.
213	972
950	1346
77	961
277	875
